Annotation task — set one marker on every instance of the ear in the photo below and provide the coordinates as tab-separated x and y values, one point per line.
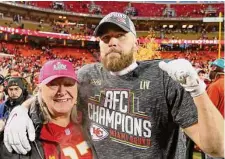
136	45
98	38
38	88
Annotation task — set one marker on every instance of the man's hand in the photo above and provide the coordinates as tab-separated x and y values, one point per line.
16	129
4	71
182	71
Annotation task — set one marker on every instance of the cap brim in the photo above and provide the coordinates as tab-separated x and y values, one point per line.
49	79
98	28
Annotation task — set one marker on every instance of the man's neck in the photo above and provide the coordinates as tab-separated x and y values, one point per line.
126	70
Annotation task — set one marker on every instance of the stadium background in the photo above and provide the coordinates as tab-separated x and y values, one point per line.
32	32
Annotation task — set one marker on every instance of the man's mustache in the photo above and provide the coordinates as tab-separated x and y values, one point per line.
113	50
14	96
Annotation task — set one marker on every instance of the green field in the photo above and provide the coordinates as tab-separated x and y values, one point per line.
197	155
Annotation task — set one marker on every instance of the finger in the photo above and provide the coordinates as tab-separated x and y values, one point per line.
179	75
15	138
6	142
31	130
8	147
163	65
10	138
24	141
19	149
17	146
15	149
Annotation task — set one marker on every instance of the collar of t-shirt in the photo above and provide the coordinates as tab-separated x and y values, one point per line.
125	70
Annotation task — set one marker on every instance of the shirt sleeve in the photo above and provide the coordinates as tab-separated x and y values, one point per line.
181	104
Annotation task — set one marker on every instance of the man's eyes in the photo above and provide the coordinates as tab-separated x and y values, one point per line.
15	89
120	35
106	38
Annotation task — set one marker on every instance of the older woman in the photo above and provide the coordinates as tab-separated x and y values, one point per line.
53	112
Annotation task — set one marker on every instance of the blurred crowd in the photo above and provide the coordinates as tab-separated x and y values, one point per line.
133	9
28	66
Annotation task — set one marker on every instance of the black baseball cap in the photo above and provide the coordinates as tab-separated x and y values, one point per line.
119	19
15	81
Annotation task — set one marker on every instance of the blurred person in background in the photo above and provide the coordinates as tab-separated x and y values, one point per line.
201	74
16	90
53	112
2	93
216	89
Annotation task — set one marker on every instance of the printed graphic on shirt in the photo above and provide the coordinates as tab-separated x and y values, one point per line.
51	157
98	132
144	84
79	151
116	114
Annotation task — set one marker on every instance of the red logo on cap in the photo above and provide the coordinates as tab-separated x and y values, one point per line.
122	20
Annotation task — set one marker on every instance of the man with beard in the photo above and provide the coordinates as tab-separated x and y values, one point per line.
134	109
216	89
15	88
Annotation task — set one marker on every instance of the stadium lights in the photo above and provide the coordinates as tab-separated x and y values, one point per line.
190	26
184	26
170	26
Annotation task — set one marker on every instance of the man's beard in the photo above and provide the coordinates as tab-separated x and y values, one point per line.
212	75
17	101
116	64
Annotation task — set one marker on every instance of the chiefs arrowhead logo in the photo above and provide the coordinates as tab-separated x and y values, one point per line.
97	132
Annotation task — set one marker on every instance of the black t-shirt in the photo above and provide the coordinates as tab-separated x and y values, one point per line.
136	115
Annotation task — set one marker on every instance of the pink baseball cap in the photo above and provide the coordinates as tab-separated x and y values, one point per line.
56	68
